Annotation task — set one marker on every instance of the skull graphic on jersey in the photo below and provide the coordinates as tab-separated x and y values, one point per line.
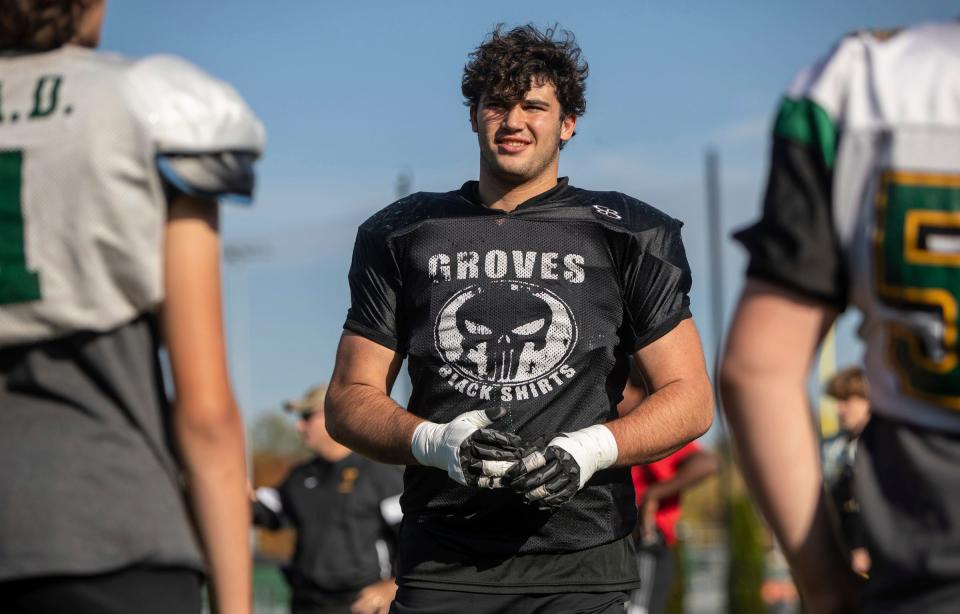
505	332
496	326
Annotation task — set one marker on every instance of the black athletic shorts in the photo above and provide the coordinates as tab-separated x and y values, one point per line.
136	590
430	601
907	483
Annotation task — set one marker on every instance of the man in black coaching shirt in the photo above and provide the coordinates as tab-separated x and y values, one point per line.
346	511
518	300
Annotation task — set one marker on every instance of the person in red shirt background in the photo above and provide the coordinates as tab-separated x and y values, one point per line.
658	486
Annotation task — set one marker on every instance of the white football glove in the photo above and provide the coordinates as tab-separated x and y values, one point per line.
471	454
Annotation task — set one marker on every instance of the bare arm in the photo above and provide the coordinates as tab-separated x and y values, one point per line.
678	409
772	342
691	471
359	411
680	405
207	423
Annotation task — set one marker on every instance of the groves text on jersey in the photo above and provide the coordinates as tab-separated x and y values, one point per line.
501	264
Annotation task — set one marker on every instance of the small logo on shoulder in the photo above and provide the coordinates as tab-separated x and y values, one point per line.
613	214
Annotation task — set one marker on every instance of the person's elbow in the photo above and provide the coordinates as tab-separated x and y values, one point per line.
208	422
701	418
696	416
334	411
707	463
738	369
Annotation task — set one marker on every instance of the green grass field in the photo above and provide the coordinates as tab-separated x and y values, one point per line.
270	591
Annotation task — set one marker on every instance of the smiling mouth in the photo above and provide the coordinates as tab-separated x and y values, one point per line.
511	145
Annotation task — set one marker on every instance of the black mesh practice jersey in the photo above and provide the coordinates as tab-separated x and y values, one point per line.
536	310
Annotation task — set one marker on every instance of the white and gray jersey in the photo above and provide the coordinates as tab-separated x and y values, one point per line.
863	208
89	145
82	205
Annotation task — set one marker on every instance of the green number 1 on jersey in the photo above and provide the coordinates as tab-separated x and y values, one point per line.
17	284
917	247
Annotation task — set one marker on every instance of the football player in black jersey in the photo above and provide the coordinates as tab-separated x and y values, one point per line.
518	301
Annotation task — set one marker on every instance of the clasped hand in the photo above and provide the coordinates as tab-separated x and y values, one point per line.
546	474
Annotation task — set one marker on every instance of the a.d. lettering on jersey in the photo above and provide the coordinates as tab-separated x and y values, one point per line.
44	103
506	340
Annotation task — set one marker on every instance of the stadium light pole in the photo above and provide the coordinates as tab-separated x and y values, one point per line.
239	256
715	249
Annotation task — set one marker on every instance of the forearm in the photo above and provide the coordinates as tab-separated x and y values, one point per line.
770	348
692	470
777	449
207	424
214	464
368	421
675	414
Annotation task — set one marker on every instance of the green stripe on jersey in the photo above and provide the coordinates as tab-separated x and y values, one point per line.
805	122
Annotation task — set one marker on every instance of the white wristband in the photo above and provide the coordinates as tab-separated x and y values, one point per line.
594	448
426	444
438	445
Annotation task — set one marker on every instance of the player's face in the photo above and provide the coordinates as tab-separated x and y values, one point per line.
520	139
854	414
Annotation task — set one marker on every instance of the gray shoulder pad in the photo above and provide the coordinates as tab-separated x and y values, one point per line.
186	111
227	174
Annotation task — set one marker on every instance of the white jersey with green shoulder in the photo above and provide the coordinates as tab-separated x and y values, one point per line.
82	204
877	123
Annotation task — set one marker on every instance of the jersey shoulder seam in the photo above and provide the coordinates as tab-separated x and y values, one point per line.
408	213
623	213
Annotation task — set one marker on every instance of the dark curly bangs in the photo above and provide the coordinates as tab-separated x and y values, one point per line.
508	64
38	25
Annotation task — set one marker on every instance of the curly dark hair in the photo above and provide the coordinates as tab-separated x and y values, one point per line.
38	25
508	64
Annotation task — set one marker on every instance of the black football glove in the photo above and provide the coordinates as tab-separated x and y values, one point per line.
547	478
550	477
487	454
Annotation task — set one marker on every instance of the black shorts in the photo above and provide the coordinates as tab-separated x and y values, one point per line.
657	570
907	483
412	600
138	590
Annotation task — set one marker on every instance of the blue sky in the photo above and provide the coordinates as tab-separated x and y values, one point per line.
353	93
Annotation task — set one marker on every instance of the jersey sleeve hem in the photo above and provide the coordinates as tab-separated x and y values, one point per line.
373	335
661	329
228	176
763	274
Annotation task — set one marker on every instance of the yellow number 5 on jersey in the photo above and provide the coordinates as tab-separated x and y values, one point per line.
917	250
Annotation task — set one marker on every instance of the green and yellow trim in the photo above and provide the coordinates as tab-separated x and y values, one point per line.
807	123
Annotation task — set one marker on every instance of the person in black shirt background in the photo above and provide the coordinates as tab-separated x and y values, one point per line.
346	512
851	391
518	301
